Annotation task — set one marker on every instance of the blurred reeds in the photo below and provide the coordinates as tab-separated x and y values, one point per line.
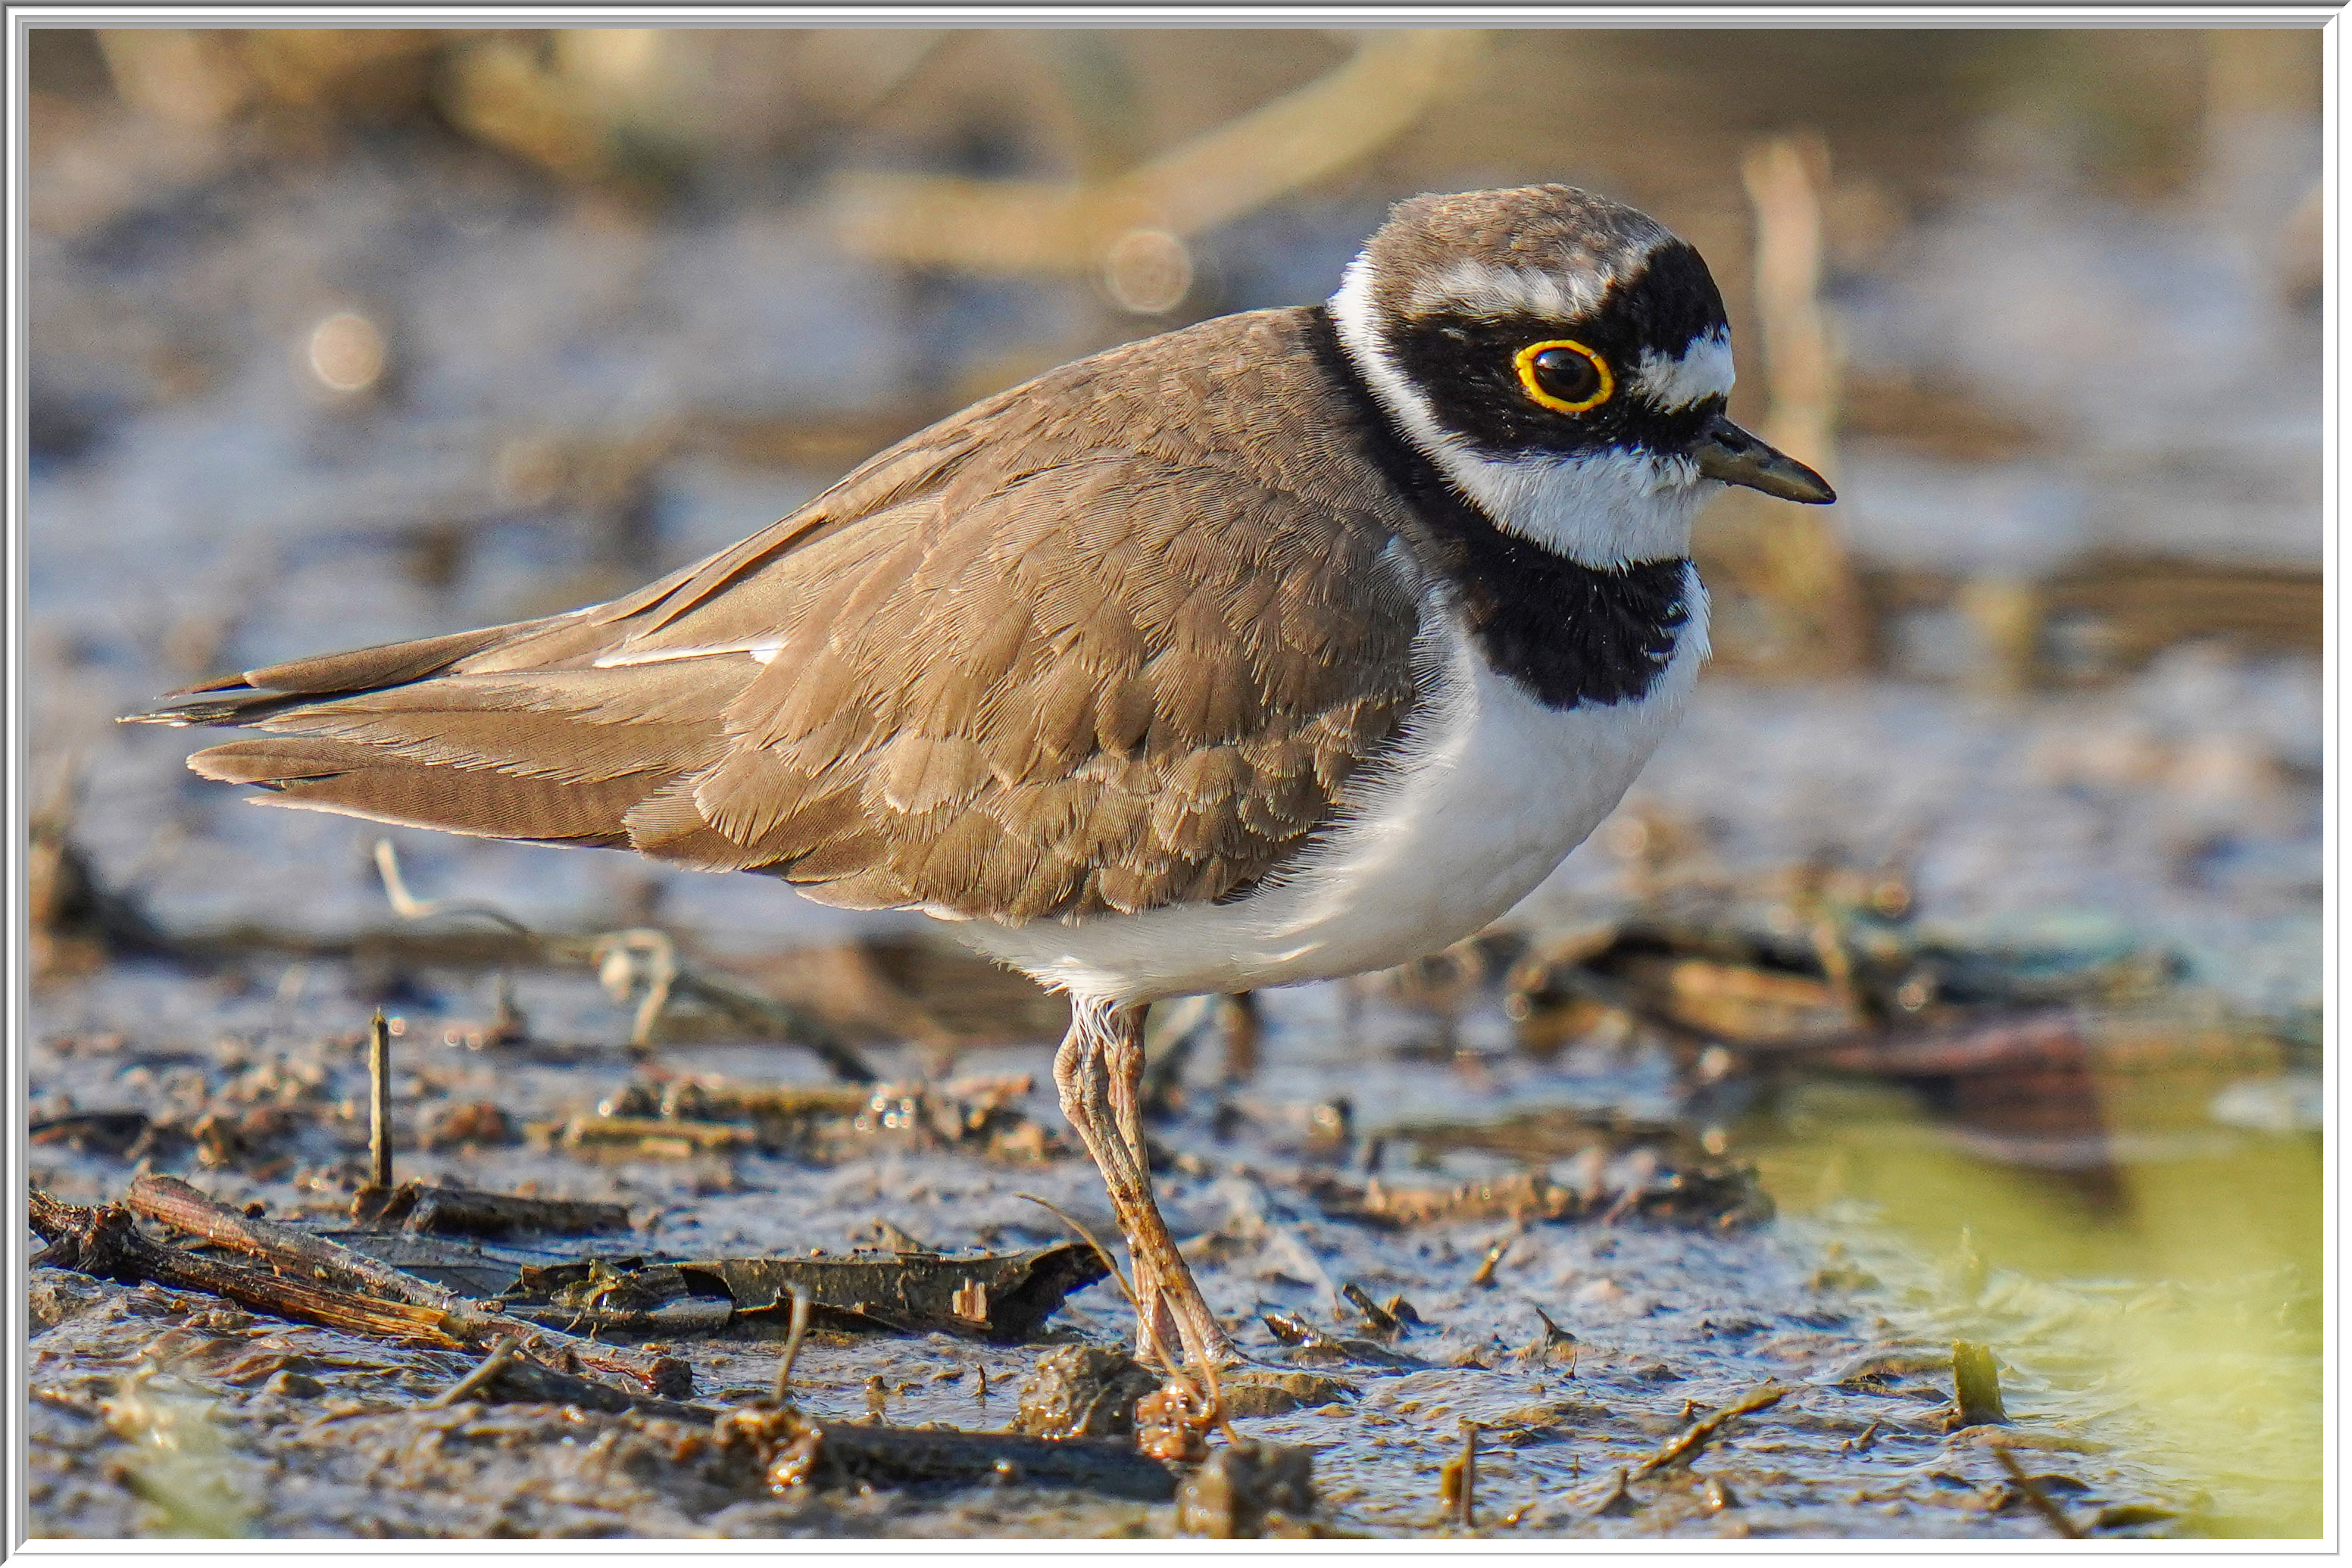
1101	161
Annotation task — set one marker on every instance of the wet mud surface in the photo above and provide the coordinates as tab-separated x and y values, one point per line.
1580	1351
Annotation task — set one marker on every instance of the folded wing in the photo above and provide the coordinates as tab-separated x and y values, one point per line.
999	671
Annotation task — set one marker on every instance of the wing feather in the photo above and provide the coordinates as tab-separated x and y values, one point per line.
1022	666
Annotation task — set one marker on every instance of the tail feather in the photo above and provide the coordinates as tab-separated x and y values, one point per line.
390	664
419	735
538	741
257	693
354	780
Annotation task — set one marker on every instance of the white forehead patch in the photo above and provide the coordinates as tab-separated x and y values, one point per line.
1481	288
1702	370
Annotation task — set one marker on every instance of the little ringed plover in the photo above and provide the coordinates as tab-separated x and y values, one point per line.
1286	646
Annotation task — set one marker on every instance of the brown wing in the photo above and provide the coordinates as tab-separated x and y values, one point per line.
1022	664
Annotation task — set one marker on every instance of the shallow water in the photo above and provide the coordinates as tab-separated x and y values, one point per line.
2183	1314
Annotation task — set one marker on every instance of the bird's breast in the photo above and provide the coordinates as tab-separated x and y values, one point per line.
1485	791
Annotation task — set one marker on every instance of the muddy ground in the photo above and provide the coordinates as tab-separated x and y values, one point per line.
156	1410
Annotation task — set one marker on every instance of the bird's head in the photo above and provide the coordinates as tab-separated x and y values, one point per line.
1564	359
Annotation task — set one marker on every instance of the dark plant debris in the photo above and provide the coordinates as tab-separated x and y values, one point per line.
1723	1197
785	1449
422	1210
997	1297
1688	1444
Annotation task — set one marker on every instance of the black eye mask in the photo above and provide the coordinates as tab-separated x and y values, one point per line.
1469	367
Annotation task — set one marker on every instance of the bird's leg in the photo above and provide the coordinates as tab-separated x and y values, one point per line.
1124	1062
1155	1277
1099	1071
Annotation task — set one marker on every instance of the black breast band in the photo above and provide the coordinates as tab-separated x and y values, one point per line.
1569	633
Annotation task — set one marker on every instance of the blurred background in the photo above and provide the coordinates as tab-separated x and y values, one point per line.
340	337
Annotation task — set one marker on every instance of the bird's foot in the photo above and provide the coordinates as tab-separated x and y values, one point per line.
1174	1326
1177	1332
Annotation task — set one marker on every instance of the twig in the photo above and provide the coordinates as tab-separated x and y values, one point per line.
1377	1318
172	1202
510	1377
1457	1482
104	1242
775	1017
380	1103
1811	579
464	1324
473	1382
420	1210
1243	1030
409	907
2041	1502
1005	225
1685	1446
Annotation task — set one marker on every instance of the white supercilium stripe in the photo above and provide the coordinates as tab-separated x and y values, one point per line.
1703	371
1476	288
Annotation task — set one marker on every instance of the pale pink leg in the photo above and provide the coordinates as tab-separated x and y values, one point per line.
1099	1070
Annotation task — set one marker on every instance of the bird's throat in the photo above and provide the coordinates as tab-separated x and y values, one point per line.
1570	632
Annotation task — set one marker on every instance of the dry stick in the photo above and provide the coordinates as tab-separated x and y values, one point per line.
105	1242
1469	1475
2042	1502
182	1207
510	1377
1811	575
1381	1320
380	1103
1699	1434
1457	1481
1233	169
172	1202
409	907
462	1210
473	1382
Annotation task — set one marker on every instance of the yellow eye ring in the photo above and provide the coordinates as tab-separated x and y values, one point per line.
1524	360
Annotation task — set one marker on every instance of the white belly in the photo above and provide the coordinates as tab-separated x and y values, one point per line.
1492	792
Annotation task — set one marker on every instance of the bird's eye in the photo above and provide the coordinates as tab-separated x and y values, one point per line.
1565	377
